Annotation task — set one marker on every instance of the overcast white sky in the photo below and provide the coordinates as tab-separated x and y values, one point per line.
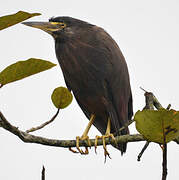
147	33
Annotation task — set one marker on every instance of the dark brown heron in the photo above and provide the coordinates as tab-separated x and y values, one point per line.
96	71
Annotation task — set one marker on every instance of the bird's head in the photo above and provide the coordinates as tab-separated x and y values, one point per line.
59	25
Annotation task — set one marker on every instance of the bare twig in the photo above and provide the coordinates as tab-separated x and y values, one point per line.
43	173
44	124
149	105
156	103
164	163
143	89
125	126
142	151
164	151
169	106
149	101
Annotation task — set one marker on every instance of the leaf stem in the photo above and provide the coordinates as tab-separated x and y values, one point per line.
44	124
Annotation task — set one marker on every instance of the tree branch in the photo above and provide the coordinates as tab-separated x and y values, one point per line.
28	138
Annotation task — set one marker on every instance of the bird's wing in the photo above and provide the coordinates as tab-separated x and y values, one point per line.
118	83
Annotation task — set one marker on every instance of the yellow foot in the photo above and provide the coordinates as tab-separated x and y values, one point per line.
106	153
78	141
84	137
78	147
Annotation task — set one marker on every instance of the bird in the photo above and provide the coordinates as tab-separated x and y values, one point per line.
95	70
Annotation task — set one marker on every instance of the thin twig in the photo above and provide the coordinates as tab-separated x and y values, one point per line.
142	151
168	107
157	103
43	173
143	89
124	127
164	152
164	163
44	124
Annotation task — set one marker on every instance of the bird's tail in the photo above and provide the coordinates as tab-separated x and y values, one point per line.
116	125
122	146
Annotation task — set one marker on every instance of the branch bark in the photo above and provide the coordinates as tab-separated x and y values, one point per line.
28	138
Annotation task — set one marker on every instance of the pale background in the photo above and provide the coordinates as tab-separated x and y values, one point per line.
147	33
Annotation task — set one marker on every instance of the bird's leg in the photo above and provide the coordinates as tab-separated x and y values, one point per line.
107	135
85	137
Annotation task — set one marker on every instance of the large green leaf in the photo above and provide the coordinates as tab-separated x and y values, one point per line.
61	97
22	69
158	125
10	20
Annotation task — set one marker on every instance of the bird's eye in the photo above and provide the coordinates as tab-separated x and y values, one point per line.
62	25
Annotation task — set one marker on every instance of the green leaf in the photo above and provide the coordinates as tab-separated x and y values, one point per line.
61	97
22	69
10	20
158	125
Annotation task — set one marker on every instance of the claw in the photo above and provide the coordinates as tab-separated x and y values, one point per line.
84	137
72	150
78	147
106	153
96	143
86	150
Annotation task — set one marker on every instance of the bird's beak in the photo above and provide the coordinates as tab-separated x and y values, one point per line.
48	27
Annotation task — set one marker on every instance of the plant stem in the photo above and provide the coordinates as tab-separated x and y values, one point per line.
164	163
